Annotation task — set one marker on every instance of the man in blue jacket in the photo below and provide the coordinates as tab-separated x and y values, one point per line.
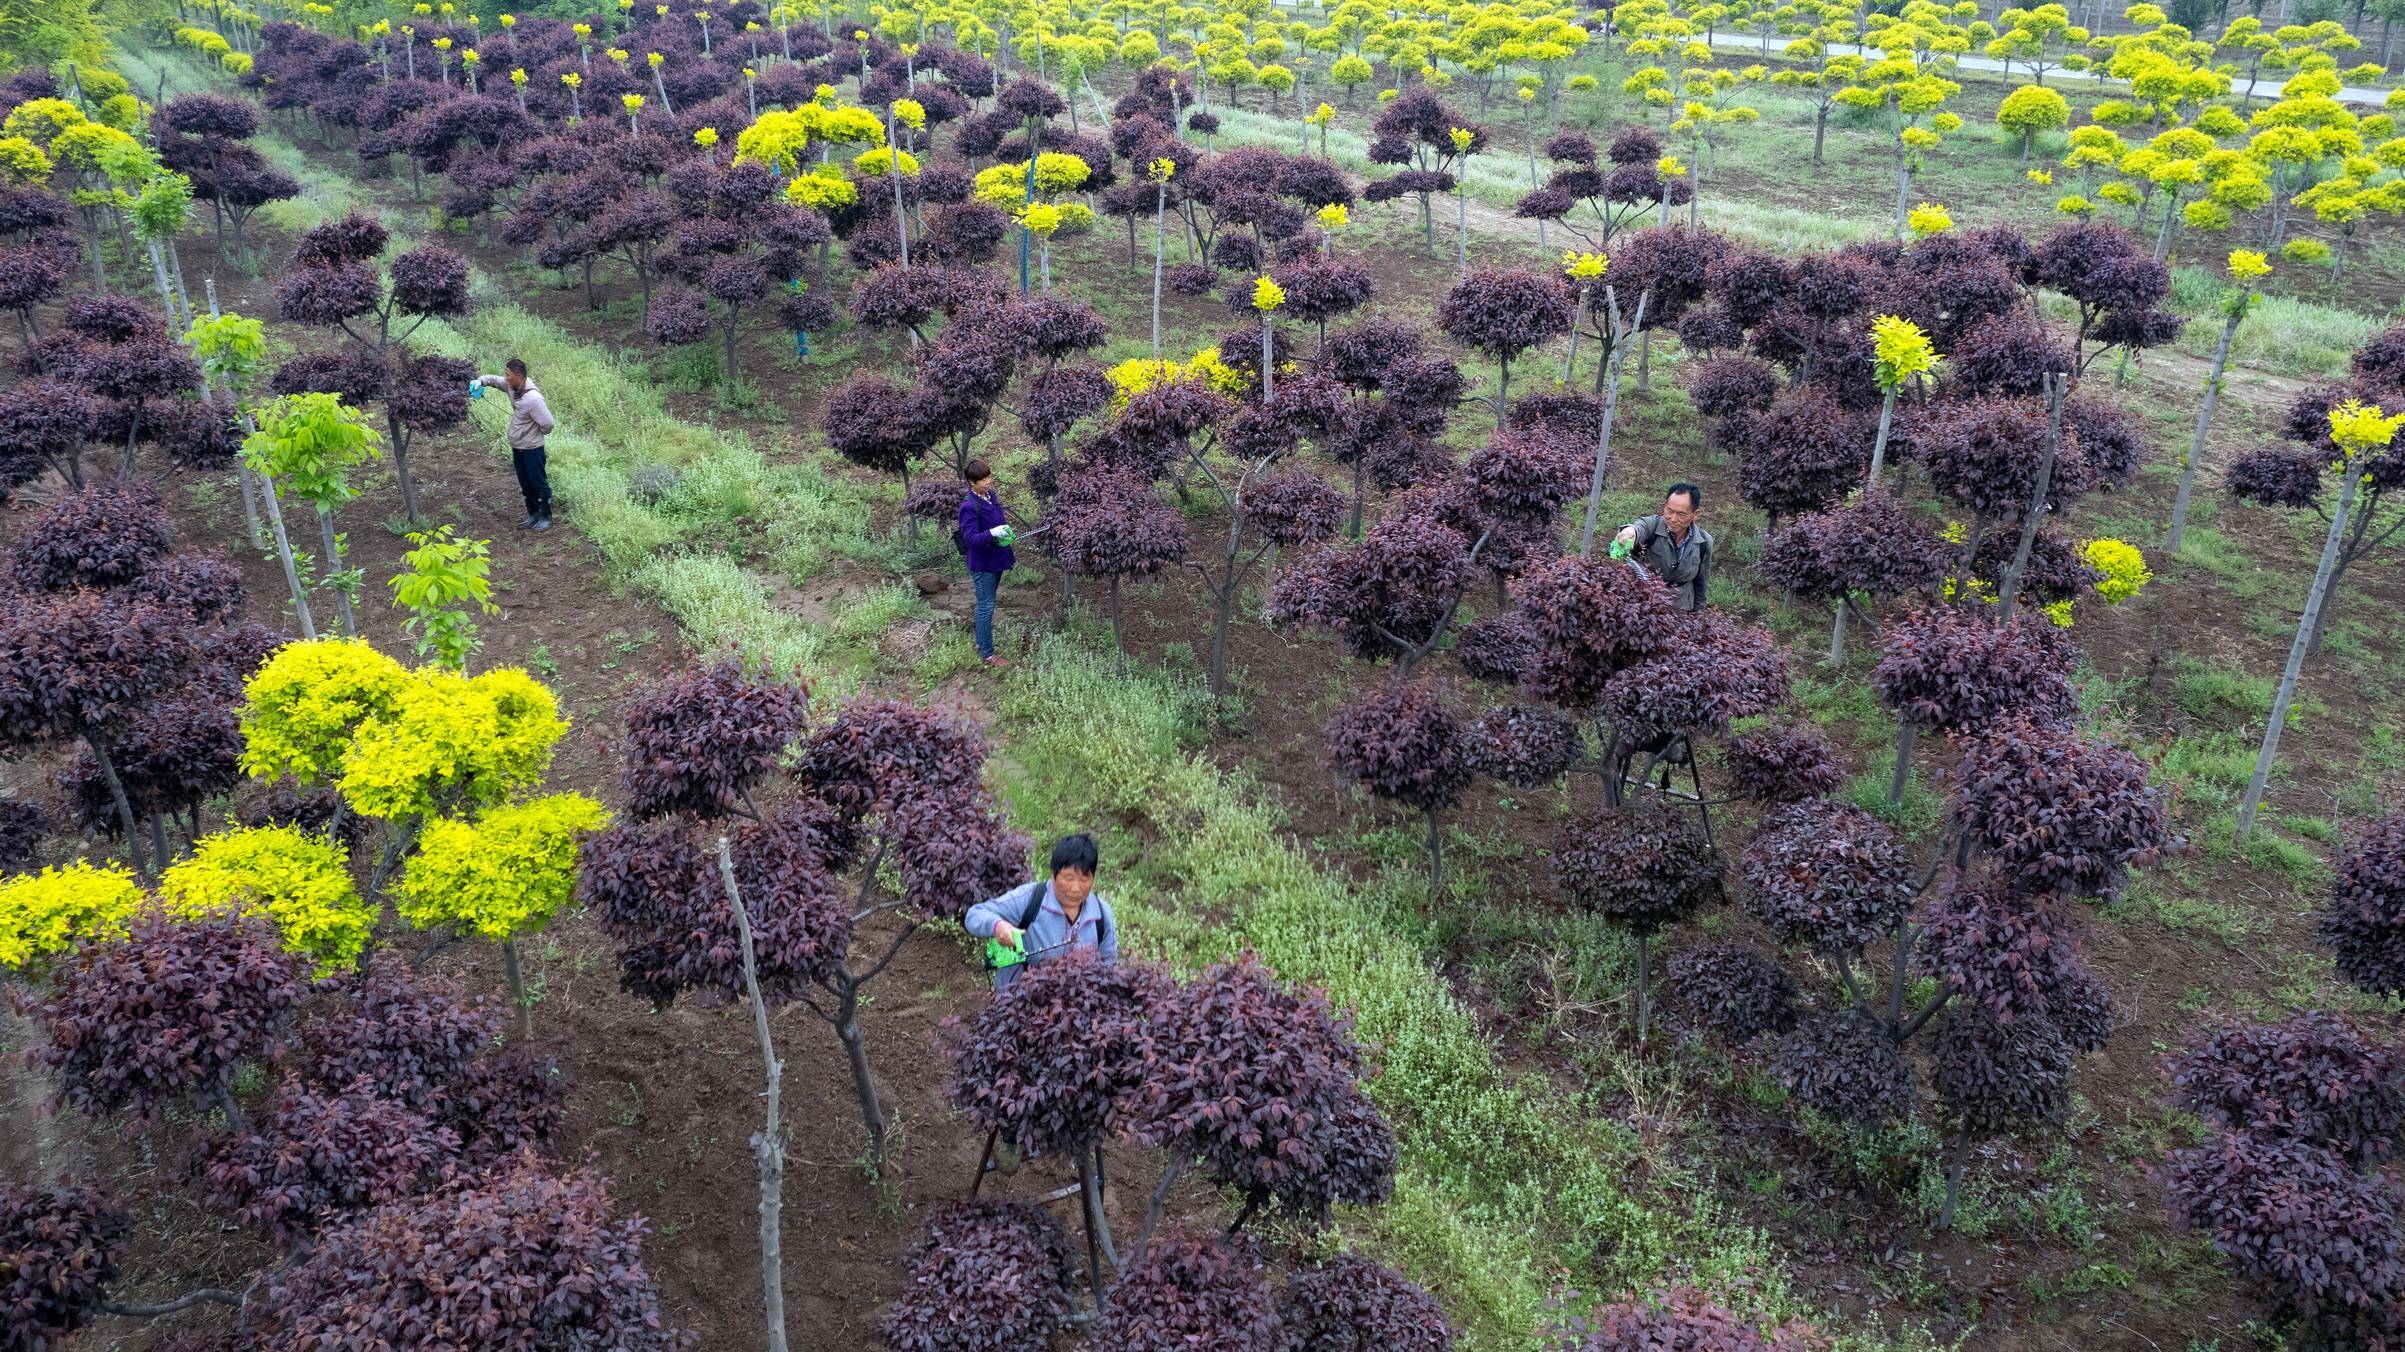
984	536
1049	917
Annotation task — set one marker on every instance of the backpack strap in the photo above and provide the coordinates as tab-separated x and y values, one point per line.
1035	903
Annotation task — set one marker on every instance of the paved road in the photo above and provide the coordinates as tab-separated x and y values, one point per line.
2064	80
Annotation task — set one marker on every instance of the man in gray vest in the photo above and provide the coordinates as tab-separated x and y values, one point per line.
1673	546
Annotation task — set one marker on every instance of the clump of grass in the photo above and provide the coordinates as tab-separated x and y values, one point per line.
2216	694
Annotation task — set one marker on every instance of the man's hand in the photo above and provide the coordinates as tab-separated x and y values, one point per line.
1006	934
999	531
1627	535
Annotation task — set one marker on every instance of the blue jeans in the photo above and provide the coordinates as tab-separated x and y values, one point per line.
987	585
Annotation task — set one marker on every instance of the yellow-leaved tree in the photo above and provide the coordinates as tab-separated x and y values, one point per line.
499	877
444	762
297	881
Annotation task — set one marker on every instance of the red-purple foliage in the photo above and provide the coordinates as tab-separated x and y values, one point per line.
2277	477
1872	547
22	826
1783	764
2322	1241
876	753
1713	672
2363	922
1731	990
1805	453
315	1159
1503	312
1402	741
355	375
356	238
1522	745
1846	1067
1950	669
59	1250
1109	523
1991	1075
1058	1095
1727	385
1641	865
1826	875
2054	571
1293	508
2314	1077
1059	399
181	753
988	1277
1498	649
1382	595
103	535
1305	1138
1352	1304
2008	953
2055	812
699	739
1985	454
519	1259
420	1043
677	316
658	894
1191	1294
162	1016
1680	1320
1525	474
1590	618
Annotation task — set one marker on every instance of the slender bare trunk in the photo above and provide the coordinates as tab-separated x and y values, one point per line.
768	1146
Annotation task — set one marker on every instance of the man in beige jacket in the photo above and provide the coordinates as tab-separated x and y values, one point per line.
530	421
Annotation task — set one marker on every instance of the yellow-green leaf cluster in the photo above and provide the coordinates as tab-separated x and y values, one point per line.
298	882
502	875
47	914
2123	566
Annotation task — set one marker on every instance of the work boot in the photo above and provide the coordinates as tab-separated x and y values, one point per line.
529	521
541	523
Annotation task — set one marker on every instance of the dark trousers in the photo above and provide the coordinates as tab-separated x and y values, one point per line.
534	482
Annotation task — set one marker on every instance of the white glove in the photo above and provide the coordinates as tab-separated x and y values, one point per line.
999	531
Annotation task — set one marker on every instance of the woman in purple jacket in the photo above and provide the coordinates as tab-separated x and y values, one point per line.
982	532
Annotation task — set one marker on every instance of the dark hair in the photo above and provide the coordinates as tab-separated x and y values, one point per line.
1076	852
1695	496
976	471
514	366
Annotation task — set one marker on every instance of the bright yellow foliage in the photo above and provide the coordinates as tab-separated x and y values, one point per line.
298	882
47	914
302	708
452	743
2123	566
502	875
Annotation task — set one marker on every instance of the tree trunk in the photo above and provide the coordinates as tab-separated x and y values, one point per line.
1954	1166
522	1008
1603	432
1887	418
1837	637
1436	856
2351	478
768	1146
872	1114
2204	420
1820	132
342	594
1159	243
2056	385
1118	636
125	809
1905	734
1644	983
292	572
